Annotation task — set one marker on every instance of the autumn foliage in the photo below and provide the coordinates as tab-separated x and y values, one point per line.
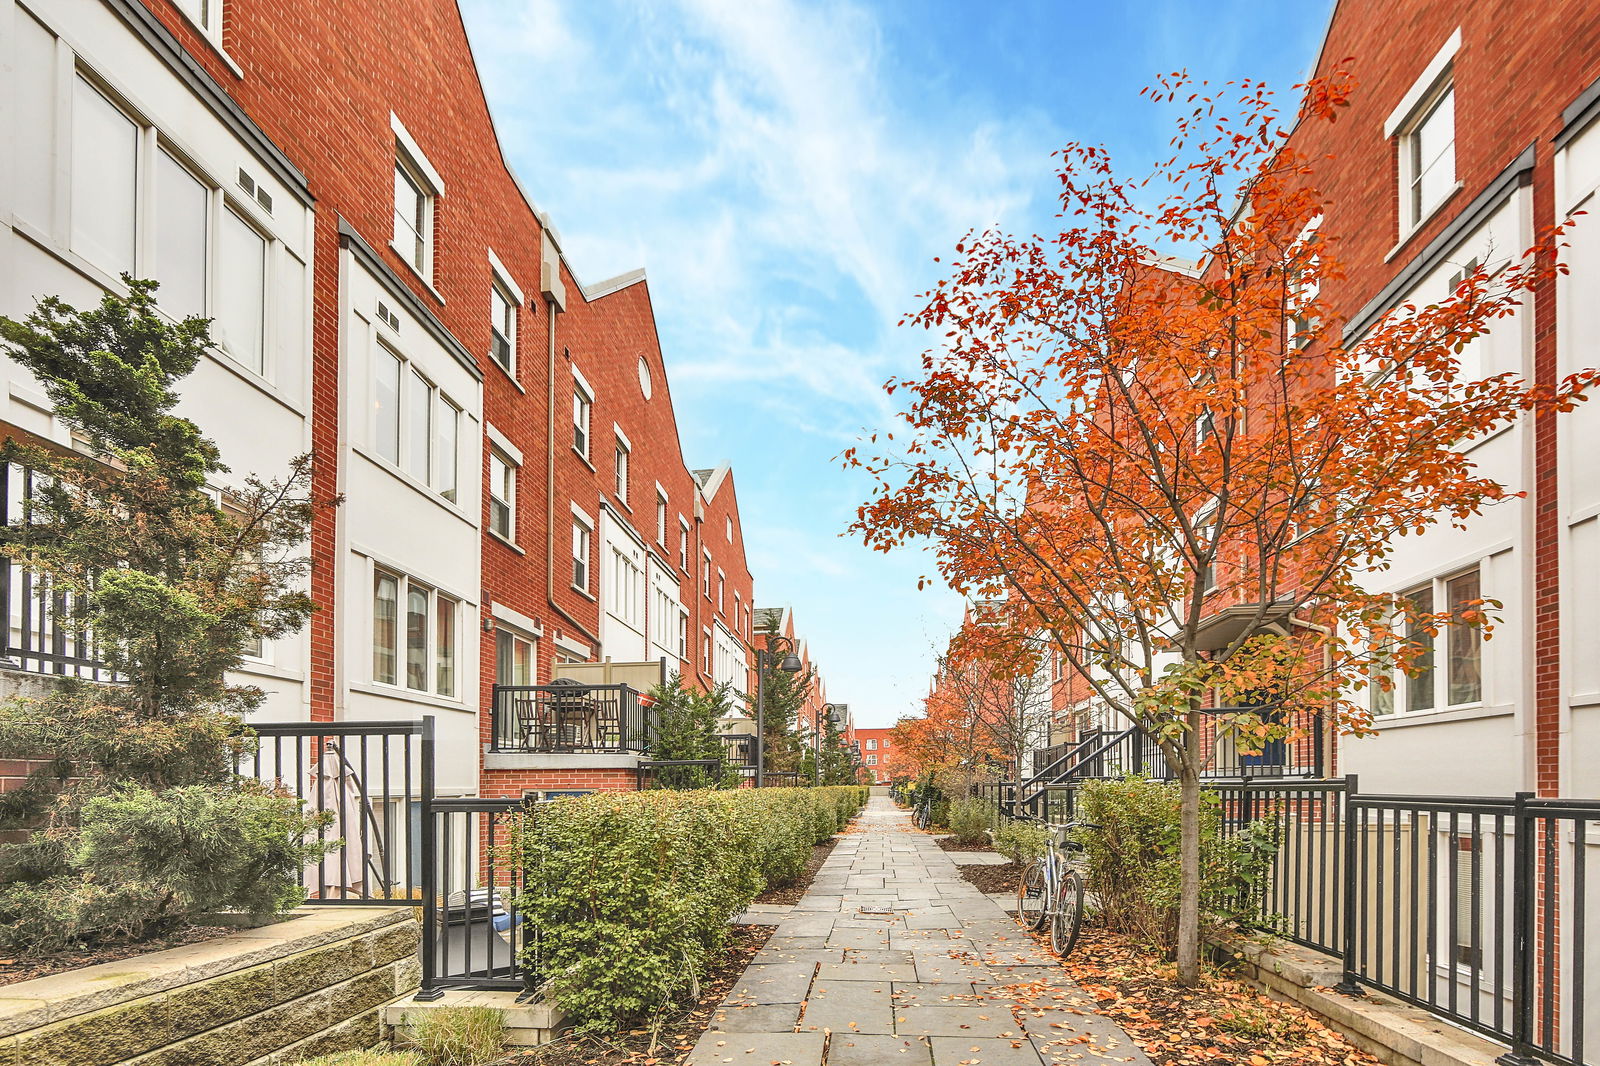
1115	446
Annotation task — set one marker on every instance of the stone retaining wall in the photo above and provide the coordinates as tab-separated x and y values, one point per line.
314	983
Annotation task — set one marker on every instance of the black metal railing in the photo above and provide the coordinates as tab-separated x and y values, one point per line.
1475	909
739	750
44	630
571	716
475	937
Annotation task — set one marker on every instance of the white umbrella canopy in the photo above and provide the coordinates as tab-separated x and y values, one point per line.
335	789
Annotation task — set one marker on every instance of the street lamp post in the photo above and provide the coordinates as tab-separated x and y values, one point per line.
789	664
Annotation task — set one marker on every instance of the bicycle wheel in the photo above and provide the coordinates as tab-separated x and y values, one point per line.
1030	896
1068	916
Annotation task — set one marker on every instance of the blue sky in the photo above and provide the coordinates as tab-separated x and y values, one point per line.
785	172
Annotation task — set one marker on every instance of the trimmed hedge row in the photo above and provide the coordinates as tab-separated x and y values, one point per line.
629	893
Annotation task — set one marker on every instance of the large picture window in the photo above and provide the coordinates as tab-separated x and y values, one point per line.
415	427
417	648
1436	682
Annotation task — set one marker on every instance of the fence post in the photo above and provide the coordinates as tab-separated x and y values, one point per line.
430	872
1523	917
521	966
1348	983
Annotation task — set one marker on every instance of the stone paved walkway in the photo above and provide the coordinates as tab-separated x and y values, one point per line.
892	957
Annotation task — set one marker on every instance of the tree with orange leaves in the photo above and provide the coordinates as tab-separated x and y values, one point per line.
1184	477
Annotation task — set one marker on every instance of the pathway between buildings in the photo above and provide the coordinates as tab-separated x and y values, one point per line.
892	957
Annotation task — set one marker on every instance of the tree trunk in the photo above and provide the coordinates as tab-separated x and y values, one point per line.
1188	948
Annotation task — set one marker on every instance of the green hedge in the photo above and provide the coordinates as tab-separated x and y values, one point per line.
629	893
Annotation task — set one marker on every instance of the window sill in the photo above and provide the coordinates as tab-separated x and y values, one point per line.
507	541
394	692
412	268
258	668
1421	223
584	459
213	39
510	373
412	483
585	593
1449	714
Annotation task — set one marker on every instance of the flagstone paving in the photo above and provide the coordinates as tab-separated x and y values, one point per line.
892	957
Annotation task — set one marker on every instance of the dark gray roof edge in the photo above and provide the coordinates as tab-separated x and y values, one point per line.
1575	118
349	238
1518	173
160	40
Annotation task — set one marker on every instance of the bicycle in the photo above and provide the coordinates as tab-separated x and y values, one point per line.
1050	890
922	814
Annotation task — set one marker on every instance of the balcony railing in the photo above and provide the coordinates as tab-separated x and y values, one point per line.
739	750
568	716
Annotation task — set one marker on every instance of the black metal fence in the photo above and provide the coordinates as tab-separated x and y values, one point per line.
43	631
570	716
1473	908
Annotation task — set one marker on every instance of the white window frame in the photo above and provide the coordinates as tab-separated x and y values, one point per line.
404	585
410	160
1419	104
582	533
582	416
509	534
722	590
705	572
622	473
440	405
683	544
1398	697
662	509
501	286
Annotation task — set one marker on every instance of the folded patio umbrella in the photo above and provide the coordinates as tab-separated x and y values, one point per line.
336	789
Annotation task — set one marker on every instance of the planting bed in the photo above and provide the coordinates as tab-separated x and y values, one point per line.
14	970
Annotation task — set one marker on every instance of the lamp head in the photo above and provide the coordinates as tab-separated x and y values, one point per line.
790	664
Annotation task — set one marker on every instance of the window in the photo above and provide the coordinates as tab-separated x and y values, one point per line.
580	555
705	574
683	634
428	648
1428	687
386	406
502	325
413	215
872	760
502	495
1470	901
207	14
621	485
414	425
729	528
722	584
705	653
872	745
1428	158
183	204
661	518
513	659
105	157
582	407
241	289
683	545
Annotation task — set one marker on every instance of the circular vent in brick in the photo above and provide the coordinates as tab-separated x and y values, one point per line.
644	377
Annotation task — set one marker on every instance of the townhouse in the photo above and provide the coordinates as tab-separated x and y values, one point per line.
775	634
385	295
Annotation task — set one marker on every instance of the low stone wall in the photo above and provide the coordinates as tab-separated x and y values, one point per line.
270	996
1397	1033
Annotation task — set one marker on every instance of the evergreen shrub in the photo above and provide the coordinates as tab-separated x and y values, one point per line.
629	894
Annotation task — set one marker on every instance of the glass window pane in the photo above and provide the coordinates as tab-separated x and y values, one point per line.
105	151
417	639
500	486
1419	683
1433	154
1466	642
386	406
241	289
445	652
503	327
580	423
418	425
446	458
180	239
513	659
410	218
385	603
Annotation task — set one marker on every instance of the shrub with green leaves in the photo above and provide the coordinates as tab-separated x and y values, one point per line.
969	820
1131	860
1020	841
120	832
629	894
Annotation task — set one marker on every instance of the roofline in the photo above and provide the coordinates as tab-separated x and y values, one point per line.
611	285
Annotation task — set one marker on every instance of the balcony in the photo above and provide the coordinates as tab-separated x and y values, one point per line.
568	717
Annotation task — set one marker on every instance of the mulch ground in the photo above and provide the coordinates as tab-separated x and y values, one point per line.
14	970
790	894
1001	878
1225	1022
675	1038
